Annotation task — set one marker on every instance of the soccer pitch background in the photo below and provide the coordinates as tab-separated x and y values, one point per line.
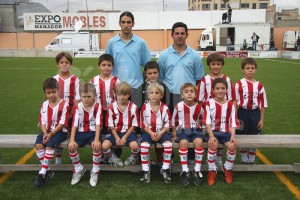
22	95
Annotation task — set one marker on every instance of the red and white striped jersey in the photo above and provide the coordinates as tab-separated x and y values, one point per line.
68	88
205	91
86	121
221	117
105	90
122	120
53	116
185	116
156	121
250	95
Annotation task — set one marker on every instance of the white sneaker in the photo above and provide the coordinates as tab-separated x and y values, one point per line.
130	161
116	162
93	179
77	176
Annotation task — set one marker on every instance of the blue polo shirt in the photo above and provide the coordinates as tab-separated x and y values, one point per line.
175	70
129	58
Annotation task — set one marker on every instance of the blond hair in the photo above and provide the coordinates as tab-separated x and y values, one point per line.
186	85
123	88
157	86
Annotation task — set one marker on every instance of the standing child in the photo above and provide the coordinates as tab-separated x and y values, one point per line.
221	121
105	84
53	119
186	121
69	89
155	124
121	119
151	72
215	63
87	122
250	100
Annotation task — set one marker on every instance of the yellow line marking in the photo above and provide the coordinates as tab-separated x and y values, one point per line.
280	175
22	161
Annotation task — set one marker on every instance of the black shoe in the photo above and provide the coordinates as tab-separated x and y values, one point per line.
166	175
198	178
49	175
39	180
145	177
185	176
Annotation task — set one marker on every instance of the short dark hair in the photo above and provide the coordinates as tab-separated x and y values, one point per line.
151	65
64	54
219	80
87	87
128	14
250	61
50	83
179	24
106	57
186	85
215	57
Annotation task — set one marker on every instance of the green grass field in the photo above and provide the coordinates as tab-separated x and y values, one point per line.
21	96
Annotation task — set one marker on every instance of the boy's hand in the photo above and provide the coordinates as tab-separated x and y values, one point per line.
72	146
260	125
118	142
46	138
96	145
152	135
174	137
158	136
123	141
233	140
212	141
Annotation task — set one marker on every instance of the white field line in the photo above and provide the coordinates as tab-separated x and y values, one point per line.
282	61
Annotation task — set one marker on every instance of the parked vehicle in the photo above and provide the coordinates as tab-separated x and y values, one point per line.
290	39
74	41
215	38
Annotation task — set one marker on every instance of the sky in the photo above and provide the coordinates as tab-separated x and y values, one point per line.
138	5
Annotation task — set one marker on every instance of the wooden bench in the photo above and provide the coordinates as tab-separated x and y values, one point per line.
258	141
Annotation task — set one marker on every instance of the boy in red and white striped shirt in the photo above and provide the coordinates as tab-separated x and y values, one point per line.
86	127
215	63
155	123
186	122
105	84
221	121
121	119
53	120
250	100
68	89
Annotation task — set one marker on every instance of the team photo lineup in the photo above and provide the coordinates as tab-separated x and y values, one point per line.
170	101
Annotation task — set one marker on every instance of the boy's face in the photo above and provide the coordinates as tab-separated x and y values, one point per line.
154	95
215	67
220	90
106	67
188	94
51	94
87	98
122	98
64	65
249	71
152	75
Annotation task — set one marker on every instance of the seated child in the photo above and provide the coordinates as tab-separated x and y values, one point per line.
122	118
53	119
155	124
186	121
87	122
221	121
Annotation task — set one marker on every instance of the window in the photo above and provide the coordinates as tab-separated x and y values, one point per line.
66	41
223	5
216	6
263	5
254	6
245	5
205	6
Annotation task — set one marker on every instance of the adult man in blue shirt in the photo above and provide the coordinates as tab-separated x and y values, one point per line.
130	52
179	64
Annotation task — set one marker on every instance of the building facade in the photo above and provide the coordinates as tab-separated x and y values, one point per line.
223	4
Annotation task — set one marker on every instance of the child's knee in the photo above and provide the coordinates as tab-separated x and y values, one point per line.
39	146
106	145
134	146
